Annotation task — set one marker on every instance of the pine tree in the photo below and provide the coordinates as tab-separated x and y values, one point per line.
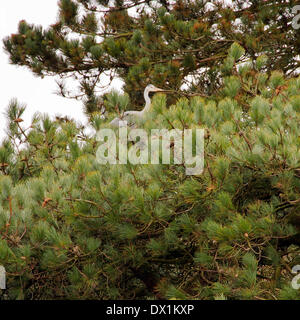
75	229
167	43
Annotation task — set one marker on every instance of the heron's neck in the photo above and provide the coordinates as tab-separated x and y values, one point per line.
148	102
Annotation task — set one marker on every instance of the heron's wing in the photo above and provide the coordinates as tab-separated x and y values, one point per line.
131	118
115	122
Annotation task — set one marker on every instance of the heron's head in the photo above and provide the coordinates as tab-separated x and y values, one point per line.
152	88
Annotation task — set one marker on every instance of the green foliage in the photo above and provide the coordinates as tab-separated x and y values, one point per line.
236	51
93	227
116	102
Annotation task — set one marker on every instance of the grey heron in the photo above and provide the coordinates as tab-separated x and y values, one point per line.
129	116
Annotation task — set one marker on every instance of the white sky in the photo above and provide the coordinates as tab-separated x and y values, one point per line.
18	82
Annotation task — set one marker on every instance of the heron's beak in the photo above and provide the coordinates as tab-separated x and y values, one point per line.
161	90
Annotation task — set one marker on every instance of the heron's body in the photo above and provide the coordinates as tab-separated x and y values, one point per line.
129	117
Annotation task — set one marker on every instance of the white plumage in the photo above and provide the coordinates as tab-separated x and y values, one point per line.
130	116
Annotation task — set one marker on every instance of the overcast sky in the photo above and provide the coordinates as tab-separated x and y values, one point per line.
18	82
